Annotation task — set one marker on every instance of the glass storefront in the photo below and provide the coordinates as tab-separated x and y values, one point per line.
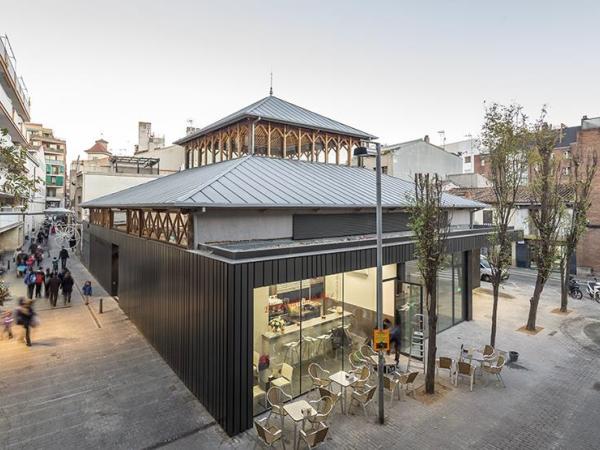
324	319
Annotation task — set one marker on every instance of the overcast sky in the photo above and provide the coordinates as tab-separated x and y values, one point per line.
398	70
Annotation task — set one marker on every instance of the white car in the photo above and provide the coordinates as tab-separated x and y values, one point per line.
486	270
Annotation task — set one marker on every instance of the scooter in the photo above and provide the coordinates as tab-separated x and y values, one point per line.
574	289
593	289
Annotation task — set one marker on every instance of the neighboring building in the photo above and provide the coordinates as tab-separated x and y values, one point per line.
14	112
103	173
273	127
466	180
172	157
406	159
467	149
55	155
36	170
204	260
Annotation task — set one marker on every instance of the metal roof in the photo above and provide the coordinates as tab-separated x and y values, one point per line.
262	182
278	110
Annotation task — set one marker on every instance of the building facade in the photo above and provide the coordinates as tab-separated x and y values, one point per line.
55	156
172	157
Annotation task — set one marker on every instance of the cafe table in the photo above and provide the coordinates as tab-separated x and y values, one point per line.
295	411
388	361
343	379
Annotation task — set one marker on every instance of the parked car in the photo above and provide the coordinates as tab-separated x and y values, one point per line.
486	270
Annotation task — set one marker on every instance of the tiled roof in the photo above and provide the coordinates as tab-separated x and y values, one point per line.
261	182
486	194
278	110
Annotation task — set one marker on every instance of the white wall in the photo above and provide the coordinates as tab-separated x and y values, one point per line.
422	157
172	158
460	217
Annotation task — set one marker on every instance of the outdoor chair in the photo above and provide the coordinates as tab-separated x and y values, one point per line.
406	382
363	398
363	377
443	362
324	406
314	437
285	380
496	368
366	352
356	361
335	396
390	384
268	434
466	370
277	398
318	375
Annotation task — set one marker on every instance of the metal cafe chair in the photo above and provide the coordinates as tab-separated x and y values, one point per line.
268	434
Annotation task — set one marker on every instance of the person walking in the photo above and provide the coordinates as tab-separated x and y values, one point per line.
25	317
53	287
87	292
55	264
29	281
39	282
67	287
47	277
63	256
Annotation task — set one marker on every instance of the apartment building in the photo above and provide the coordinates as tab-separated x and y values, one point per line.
55	158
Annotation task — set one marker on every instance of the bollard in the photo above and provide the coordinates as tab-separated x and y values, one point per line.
100	307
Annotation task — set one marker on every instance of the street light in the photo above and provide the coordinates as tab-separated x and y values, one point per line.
361	152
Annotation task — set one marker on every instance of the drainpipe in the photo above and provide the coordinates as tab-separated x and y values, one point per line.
252	140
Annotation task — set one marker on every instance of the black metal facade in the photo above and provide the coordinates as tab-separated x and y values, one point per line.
198	311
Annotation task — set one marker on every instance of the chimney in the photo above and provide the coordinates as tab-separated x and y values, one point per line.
426	138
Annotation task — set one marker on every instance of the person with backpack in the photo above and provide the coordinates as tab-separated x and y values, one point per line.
63	256
39	282
53	287
67	287
30	282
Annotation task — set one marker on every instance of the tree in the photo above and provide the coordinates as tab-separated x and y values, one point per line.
581	174
503	134
13	172
547	211
430	224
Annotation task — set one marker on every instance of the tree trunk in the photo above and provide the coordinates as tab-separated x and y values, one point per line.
564	280
496	291
431	342
534	301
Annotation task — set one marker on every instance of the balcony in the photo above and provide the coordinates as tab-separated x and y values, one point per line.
9	221
11	82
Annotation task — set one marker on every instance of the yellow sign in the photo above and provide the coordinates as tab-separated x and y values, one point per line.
381	340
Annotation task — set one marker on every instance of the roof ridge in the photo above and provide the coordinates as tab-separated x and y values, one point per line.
233	165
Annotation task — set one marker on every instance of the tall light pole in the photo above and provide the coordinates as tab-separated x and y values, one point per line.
361	152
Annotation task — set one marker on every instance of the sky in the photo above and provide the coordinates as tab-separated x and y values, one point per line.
397	69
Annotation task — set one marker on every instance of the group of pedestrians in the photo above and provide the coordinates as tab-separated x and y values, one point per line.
52	282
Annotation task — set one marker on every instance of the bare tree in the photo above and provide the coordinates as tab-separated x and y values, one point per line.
581	174
503	134
430	224
547	207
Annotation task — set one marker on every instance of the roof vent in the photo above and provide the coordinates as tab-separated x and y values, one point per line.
426	138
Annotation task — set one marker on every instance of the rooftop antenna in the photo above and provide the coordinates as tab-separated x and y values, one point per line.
271	88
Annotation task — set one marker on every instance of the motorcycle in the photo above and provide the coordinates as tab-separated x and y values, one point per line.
593	289
574	289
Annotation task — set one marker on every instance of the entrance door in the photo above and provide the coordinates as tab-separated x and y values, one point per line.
408	302
114	285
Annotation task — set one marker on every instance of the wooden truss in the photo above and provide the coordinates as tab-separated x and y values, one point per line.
270	139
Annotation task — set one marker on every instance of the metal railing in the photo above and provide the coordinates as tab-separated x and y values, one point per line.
7	55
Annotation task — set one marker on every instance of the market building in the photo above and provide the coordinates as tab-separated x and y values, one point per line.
204	260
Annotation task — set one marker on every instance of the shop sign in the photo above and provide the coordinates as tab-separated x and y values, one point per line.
381	339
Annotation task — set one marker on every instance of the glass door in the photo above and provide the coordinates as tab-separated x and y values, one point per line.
408	302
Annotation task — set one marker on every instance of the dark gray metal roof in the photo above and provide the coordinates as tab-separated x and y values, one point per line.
278	110
261	182
568	136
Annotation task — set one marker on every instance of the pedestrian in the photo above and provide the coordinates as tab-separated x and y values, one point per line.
29	281
396	339
7	321
55	264
87	291
30	262
26	318
63	256
39	282
32	248
67	287
53	287
47	277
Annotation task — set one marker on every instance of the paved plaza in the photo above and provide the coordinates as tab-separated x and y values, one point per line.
90	380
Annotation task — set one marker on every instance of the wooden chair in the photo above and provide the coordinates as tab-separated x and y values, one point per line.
277	398
406	381
335	396
285	380
314	437
496	368
363	377
268	434
390	384
318	375
363	398
324	407
466	370
443	362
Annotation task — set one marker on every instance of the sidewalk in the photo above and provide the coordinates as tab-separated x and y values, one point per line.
90	381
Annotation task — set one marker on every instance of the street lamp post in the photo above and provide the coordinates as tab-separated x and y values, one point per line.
364	151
